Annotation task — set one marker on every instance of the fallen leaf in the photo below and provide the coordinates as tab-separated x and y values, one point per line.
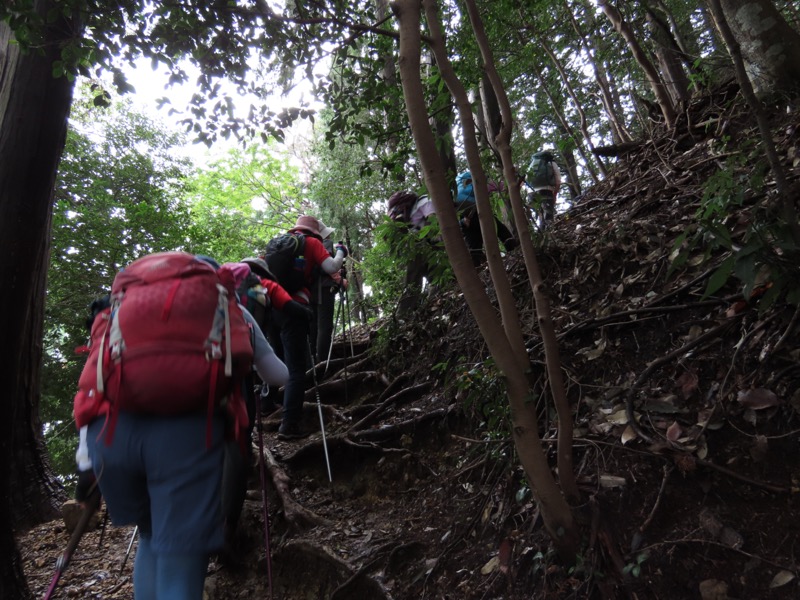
628	435
759	448
618	418
612	481
490	566
781	578
688	383
674	432
713	589
731	538
758	398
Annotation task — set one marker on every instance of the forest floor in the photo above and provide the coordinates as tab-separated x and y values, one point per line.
695	499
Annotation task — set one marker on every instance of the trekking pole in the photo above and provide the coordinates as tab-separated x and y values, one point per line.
344	333
128	551
319	409
91	506
335	323
102	531
347	299
263	472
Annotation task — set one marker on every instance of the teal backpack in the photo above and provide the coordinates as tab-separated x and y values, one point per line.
541	173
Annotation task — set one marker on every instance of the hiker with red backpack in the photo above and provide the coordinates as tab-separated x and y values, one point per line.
295	259
157	396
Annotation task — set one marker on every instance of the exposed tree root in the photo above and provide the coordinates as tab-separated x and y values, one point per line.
410	393
297	518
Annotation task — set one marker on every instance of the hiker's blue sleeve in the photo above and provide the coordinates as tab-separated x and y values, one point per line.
269	367
82	455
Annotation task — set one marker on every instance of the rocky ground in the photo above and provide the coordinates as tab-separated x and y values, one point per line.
685	408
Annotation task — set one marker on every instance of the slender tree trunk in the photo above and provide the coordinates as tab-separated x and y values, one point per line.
619	132
584	125
553	359
653	78
555	511
33	123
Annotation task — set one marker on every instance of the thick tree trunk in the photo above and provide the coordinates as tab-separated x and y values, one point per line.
770	47
668	55
33	122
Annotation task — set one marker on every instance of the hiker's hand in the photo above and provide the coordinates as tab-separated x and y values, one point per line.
343	248
87	482
344	284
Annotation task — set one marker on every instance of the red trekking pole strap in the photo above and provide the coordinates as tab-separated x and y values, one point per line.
91	506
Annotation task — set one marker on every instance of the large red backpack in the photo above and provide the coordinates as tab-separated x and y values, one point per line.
174	340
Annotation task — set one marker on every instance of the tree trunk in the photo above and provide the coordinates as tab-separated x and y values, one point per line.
770	47
33	123
556	512
668	55
584	124
653	78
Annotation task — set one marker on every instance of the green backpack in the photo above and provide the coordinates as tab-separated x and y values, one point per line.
541	173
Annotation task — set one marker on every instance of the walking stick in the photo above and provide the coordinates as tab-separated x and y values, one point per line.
91	506
347	298
263	472
335	323
319	409
102	531
128	551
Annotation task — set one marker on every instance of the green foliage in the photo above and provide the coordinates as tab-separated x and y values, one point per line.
635	568
760	246
238	203
384	264
119	195
482	390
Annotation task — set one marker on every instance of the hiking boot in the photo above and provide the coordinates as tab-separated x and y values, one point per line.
292	431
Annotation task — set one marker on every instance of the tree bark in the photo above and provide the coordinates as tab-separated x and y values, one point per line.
558	517
769	46
34	108
653	78
542	302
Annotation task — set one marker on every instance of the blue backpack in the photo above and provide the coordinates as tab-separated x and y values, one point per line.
466	193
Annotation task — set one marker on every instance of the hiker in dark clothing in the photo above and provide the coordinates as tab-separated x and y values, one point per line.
294	331
413	211
258	295
544	179
324	294
467	210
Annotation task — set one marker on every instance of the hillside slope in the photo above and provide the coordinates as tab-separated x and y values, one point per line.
695	499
